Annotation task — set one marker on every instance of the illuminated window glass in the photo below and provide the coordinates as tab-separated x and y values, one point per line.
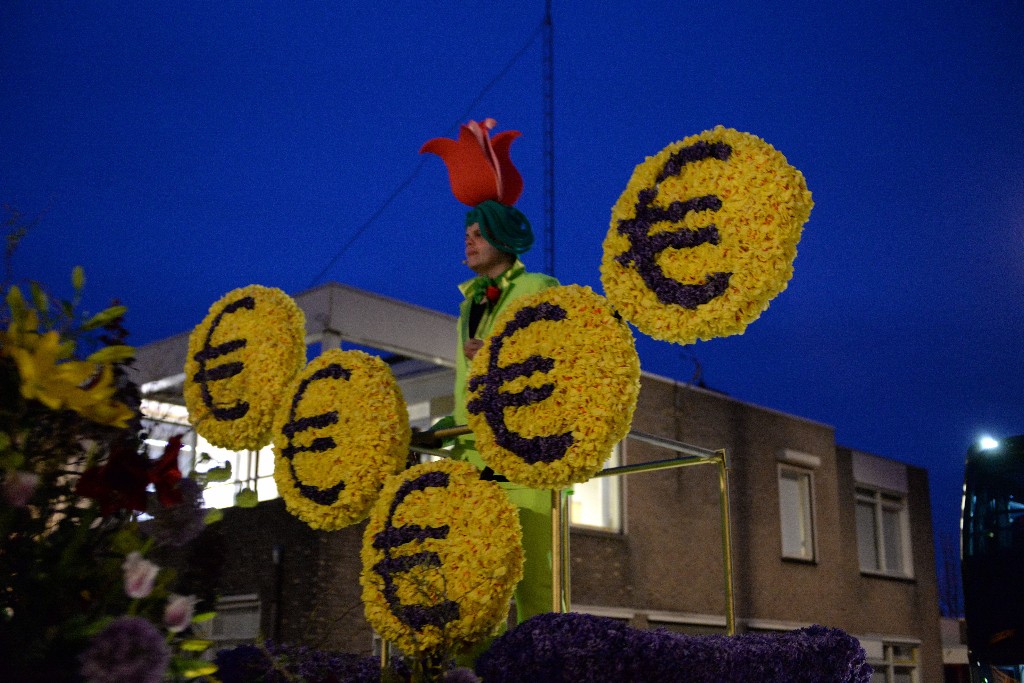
796	513
597	504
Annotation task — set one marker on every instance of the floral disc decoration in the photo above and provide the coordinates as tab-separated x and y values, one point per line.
554	388
240	358
442	553
704	236
341	431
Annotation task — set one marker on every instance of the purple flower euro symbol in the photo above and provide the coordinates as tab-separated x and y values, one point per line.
492	401
645	247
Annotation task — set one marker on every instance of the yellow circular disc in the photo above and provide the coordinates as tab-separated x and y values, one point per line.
554	388
342	428
240	357
704	236
441	555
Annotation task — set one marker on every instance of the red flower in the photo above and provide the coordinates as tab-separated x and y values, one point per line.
165	475
118	484
121	482
479	168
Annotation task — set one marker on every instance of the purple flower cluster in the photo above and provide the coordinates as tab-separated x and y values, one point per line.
570	648
492	402
280	663
129	649
645	248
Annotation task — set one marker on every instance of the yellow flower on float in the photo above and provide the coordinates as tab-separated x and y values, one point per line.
340	431
82	386
554	388
240	359
704	236
442	554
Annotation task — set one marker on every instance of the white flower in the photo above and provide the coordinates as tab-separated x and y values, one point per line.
139	575
178	612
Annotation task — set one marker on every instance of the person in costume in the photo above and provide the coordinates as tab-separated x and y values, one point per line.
483	177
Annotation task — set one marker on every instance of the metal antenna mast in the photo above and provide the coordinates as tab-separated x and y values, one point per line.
549	141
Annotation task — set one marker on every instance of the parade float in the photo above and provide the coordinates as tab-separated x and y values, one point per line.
700	241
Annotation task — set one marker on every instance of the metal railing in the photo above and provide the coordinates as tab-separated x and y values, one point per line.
688	456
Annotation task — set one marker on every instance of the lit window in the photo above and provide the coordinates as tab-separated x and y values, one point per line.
883	532
596	504
892	662
253	470
796	492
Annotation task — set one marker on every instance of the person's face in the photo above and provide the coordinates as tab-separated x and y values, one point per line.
481	257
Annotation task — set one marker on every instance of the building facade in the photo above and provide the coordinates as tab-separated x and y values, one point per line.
820	533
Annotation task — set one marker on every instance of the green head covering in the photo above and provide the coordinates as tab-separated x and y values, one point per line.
504	227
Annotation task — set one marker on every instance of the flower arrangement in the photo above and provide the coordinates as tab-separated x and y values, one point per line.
571	648
441	556
343	429
79	598
240	358
704	236
554	388
282	663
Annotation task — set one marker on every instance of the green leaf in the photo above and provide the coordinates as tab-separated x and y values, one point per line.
194	668
203	616
246	498
16	302
39	298
78	278
222	473
10	459
112	354
126	540
213	516
104	317
196	645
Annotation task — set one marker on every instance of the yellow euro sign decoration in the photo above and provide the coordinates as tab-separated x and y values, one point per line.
340	431
704	236
442	553
554	388
240	358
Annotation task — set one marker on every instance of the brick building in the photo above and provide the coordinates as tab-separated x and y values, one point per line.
821	534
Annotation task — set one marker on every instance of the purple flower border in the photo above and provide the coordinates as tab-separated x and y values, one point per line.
566	648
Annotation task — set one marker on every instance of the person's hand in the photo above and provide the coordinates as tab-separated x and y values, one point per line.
471	347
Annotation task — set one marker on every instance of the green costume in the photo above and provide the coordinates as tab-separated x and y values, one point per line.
533	594
484	178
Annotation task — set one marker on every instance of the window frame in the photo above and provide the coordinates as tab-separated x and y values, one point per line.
889	664
809	514
881	501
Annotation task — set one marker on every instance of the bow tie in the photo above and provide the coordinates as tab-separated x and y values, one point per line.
485	289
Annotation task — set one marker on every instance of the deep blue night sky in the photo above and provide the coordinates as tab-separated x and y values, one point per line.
179	150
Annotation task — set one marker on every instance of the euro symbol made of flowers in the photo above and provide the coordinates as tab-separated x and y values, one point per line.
240	358
554	388
704	236
343	430
441	556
